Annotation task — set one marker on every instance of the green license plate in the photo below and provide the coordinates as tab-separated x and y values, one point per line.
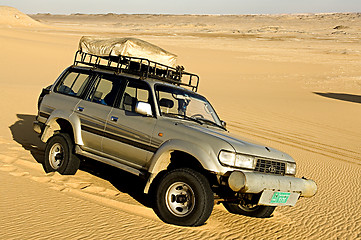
280	197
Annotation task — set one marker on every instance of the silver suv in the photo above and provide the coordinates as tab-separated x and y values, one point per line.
148	119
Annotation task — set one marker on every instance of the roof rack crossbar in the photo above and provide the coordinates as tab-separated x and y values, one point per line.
139	66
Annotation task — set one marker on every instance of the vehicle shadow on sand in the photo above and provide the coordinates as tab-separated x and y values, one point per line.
341	96
23	133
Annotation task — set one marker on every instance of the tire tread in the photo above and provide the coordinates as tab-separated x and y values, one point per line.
207	199
72	165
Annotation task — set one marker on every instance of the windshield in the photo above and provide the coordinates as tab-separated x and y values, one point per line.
177	102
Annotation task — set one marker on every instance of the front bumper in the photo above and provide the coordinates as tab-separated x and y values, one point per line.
252	182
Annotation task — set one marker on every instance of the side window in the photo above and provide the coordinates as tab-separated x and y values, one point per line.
73	84
167	103
135	92
105	90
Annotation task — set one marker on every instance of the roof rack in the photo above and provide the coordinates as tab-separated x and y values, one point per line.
139	66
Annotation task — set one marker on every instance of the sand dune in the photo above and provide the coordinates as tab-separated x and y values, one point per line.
288	81
12	17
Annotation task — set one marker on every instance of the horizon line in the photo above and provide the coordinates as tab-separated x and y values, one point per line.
194	14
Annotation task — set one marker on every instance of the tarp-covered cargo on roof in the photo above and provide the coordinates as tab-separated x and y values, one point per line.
131	47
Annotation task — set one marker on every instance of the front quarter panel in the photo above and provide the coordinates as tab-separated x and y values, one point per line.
179	137
161	159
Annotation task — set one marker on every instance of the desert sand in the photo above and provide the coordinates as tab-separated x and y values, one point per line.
292	82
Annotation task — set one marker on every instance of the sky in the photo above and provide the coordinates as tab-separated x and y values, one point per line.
184	6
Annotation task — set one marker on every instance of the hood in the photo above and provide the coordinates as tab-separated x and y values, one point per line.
242	146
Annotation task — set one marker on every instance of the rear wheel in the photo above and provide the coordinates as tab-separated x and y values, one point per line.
184	197
59	155
257	211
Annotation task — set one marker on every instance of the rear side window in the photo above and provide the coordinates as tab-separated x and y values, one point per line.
105	90
73	84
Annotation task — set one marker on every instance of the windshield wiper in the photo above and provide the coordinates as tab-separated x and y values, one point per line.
184	117
211	122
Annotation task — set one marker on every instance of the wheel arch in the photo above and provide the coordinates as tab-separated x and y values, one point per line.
66	123
176	154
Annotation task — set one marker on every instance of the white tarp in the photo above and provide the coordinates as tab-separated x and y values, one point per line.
131	47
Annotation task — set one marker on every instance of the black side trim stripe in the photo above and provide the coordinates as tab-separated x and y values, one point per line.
92	130
44	115
120	139
130	142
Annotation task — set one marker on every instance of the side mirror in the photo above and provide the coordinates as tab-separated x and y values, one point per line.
143	108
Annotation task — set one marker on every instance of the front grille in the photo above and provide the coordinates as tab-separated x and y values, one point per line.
271	167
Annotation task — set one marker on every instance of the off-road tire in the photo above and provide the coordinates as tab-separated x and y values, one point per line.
59	155
174	188
257	211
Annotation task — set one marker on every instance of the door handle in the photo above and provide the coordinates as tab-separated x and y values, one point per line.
114	119
80	109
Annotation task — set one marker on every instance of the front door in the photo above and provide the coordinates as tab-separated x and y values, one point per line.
128	134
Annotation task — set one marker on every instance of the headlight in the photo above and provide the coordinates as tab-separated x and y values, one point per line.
227	158
236	160
245	161
291	168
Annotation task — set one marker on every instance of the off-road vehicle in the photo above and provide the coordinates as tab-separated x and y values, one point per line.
145	117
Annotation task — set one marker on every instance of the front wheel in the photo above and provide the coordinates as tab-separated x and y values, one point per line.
257	211
59	155
184	197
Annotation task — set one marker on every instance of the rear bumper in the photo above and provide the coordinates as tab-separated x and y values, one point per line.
38	127
252	182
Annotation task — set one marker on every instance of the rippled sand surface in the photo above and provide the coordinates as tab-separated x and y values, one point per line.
292	82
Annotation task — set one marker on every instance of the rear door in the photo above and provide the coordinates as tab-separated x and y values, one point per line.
94	109
128	134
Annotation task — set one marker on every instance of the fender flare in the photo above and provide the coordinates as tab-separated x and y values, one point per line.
161	159
51	125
